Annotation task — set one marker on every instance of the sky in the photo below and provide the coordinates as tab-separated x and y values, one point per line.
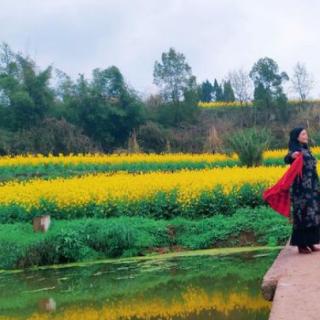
216	36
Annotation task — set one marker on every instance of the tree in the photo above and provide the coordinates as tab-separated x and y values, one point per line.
268	83
133	145
302	81
25	88
217	91
228	94
206	91
105	108
172	75
8	63
109	83
241	85
65	87
268	90
191	92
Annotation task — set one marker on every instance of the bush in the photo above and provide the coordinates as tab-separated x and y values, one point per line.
52	136
249	145
152	138
113	240
5	142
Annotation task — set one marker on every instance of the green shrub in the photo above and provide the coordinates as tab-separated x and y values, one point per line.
249	145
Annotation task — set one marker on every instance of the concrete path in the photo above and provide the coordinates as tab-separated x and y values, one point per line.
293	284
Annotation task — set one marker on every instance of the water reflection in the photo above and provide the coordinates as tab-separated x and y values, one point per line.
197	287
47	305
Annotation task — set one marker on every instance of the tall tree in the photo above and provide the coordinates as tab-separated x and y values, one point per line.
109	83
268	81
241	85
172	75
302	81
217	91
105	108
206	91
228	94
25	88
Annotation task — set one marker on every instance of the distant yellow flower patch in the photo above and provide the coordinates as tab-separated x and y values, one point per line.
112	158
226	104
75	159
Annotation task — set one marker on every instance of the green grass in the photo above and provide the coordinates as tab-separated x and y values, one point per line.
92	239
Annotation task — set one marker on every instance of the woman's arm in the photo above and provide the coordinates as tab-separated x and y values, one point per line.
288	158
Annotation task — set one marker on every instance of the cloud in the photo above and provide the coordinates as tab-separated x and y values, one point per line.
216	36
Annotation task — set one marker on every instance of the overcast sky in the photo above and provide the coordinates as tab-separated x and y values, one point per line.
216	36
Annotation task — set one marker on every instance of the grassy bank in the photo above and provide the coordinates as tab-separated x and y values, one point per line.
88	239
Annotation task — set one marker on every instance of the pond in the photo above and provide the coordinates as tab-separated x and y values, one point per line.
220	287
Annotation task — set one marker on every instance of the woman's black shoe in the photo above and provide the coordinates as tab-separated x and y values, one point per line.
304	250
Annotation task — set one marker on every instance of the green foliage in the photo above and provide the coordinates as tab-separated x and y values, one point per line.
103	110
152	137
5	141
206	91
217	91
228	94
51	136
212	203
268	83
262	225
266	72
249	145
177	114
172	75
26	90
87	239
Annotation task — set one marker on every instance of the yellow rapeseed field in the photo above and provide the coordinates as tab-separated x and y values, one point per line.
78	191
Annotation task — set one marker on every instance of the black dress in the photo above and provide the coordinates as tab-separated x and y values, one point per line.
305	199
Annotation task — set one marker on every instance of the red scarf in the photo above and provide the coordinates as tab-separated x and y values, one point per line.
278	196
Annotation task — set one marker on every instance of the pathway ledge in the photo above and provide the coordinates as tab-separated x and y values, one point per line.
293	285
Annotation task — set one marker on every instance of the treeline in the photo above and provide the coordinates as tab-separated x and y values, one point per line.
46	111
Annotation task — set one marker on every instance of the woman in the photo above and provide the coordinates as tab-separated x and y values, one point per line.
304	195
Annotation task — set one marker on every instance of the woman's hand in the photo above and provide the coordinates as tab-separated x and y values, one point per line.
295	154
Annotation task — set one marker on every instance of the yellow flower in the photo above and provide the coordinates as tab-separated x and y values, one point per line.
78	191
